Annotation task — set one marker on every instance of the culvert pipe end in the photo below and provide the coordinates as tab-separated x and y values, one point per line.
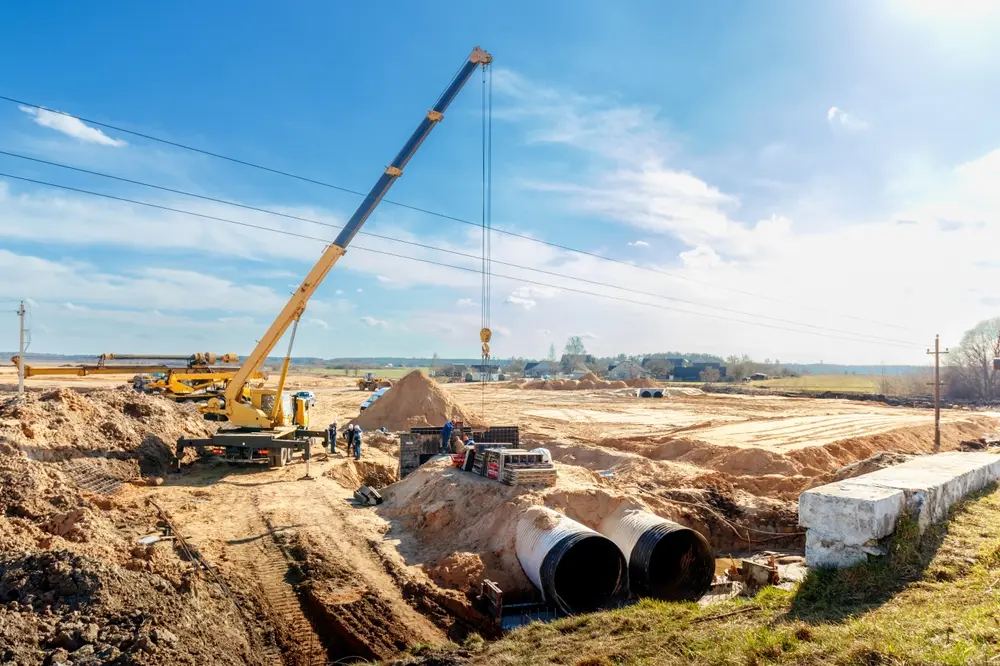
665	560
577	569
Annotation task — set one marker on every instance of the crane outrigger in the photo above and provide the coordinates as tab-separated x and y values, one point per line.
266	423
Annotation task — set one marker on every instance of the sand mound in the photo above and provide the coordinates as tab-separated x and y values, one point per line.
618	384
462	571
119	423
589	381
643	382
72	580
416	400
356	473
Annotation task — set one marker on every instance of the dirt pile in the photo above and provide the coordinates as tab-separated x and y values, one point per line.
58	606
589	381
460	571
415	400
76	586
353	474
643	382
118	423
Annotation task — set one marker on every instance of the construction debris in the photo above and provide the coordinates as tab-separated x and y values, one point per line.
367	496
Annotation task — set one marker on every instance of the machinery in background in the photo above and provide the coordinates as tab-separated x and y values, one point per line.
196	379
371	400
267	424
370	382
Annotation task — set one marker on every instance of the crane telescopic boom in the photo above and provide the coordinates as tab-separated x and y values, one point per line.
234	407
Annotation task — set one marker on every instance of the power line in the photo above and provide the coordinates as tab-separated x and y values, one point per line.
448	266
446	216
440	249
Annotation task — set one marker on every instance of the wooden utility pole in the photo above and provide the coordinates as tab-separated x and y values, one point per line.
937	391
20	353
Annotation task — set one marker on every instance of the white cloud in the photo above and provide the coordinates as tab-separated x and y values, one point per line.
373	322
526	303
638	243
700	257
71	126
339	292
588	335
384	279
360	290
525	297
318	322
150	287
465	303
840	119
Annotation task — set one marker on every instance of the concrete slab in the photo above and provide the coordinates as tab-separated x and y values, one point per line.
933	484
846	519
855	513
827	550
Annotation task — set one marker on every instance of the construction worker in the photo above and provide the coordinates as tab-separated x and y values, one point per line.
356	438
332	433
349	438
446	435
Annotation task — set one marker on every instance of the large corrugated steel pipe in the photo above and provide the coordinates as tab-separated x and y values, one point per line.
576	568
665	560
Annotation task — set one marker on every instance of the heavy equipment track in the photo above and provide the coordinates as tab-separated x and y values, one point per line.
300	645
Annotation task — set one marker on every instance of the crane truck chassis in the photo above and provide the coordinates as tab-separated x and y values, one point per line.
266	424
252	446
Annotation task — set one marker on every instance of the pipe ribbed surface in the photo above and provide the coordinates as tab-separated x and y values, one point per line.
576	568
665	560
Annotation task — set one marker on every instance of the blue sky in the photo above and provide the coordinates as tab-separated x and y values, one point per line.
830	164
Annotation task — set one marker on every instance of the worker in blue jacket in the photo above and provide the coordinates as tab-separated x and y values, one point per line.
446	436
356	440
332	432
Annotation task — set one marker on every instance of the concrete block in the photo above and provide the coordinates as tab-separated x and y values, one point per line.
933	484
828	551
845	520
855	513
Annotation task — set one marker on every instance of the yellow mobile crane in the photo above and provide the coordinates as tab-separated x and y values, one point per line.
198	377
265	423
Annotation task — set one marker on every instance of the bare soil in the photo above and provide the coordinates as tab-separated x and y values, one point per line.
303	576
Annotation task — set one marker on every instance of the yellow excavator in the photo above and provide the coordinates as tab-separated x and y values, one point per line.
266	424
195	380
370	382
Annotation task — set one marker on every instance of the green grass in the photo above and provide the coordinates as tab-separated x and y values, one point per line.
846	383
388	373
932	600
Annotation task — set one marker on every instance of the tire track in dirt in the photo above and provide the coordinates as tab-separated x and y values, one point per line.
301	645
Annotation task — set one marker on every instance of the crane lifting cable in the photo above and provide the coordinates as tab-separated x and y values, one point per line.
485	334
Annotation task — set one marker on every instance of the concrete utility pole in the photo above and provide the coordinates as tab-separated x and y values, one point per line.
20	354
937	391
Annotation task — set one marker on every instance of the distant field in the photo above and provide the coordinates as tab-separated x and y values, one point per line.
388	373
847	383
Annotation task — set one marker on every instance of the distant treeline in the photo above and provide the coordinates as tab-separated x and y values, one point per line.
423	362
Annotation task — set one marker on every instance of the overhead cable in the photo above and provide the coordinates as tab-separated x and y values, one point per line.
445	216
486	259
448	266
